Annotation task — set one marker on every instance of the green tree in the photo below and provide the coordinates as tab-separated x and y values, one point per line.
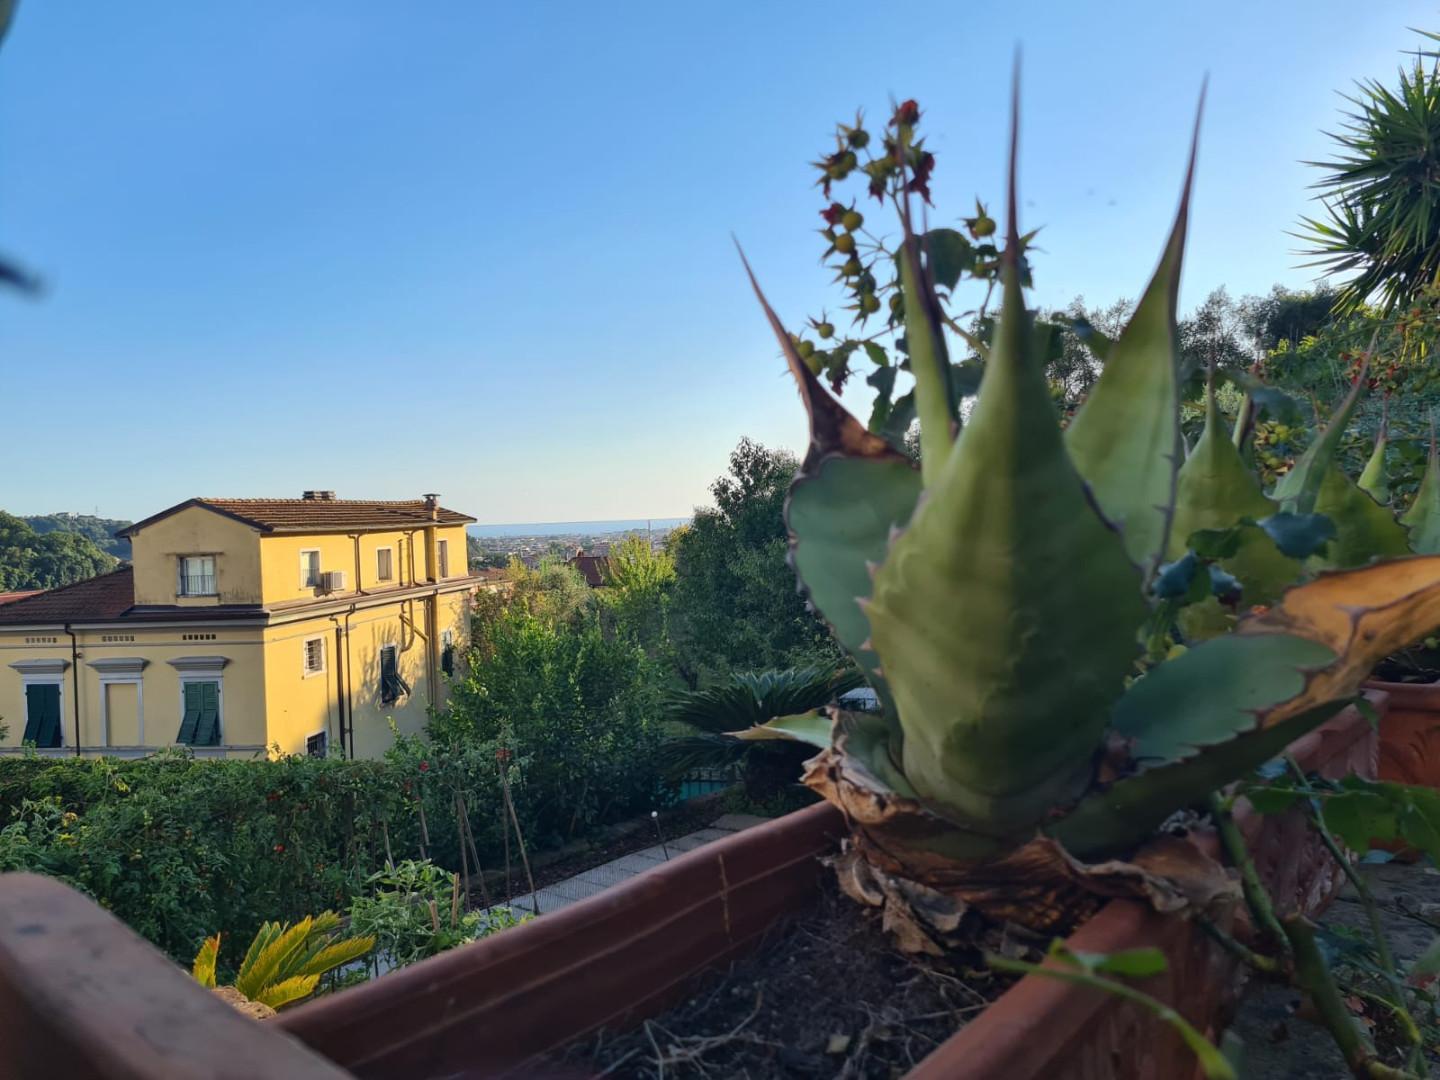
639	583
32	561
736	605
1381	218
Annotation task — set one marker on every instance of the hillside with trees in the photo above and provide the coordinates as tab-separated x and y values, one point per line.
30	559
100	531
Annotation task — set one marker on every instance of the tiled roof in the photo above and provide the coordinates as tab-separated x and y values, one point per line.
305	515
99	598
11	597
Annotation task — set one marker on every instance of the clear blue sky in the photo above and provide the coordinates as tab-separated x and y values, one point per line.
484	248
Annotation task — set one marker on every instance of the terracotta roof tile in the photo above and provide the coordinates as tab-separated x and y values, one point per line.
11	597
301	515
105	597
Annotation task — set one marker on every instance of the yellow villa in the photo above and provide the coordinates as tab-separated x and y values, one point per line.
245	627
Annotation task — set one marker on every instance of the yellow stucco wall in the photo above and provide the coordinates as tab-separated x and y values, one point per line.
193	531
281	572
156	698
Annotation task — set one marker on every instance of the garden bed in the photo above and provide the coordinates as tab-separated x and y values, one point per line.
825	994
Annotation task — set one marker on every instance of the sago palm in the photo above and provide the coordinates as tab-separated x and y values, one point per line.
285	960
996	597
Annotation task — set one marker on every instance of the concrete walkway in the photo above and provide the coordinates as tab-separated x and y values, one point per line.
598	878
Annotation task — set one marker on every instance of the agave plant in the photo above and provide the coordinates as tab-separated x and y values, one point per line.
996	597
284	962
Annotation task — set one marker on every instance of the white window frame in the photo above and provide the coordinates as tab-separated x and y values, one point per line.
219	681
323	733
305	568
442	558
139	684
305	670
181	576
390	550
27	681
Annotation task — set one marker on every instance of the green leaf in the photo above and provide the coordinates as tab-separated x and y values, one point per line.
1132	963
1125	439
949	255
1298	490
1423	517
204	967
929	360
1364	530
811	727
1215	495
840	514
1270	799
1298	535
1002	655
287	991
1373	480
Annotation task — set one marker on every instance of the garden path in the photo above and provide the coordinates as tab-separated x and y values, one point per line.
560	894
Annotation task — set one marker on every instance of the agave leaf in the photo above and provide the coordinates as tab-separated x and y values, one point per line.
929	359
1228	704
1363	528
204	967
1373	480
1298	490
811	727
282	993
1423	517
1125	439
840	513
1216	491
1003	654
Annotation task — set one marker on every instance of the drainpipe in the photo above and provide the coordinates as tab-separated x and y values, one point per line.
75	676
349	700
341	669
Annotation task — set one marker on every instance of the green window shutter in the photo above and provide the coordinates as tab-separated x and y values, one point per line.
447	660
190	721
42	714
207	730
389	678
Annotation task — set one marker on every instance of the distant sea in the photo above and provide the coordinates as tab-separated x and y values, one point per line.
571	528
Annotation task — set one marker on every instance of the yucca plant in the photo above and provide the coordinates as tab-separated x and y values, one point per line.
285	960
709	719
996	597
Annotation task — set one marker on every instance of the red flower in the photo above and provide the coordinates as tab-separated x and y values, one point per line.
833	214
424	766
279	848
908	114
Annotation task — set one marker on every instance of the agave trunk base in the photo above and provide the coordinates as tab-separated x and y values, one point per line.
891	862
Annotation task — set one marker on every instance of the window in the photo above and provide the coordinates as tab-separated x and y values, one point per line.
392	686
42	714
384	564
442	548
447	652
200	718
318	745
310	569
314	655
197	575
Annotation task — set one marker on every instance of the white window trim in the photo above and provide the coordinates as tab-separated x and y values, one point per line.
27	681
305	672
138	683
305	568
219	682
391	549
180	573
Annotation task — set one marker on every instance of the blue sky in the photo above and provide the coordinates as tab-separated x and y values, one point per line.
484	249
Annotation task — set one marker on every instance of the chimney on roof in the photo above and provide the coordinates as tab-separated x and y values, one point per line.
432	504
319	496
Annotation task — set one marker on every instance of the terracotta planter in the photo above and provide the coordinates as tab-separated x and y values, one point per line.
492	1007
1410	733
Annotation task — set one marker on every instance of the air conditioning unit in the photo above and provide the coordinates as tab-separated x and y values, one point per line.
332	581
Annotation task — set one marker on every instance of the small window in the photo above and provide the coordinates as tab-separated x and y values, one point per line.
197	575
314	655
384	564
392	686
318	745
442	548
200	722
309	569
447	652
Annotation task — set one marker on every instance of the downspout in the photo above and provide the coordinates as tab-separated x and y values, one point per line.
342	668
349	700
75	676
